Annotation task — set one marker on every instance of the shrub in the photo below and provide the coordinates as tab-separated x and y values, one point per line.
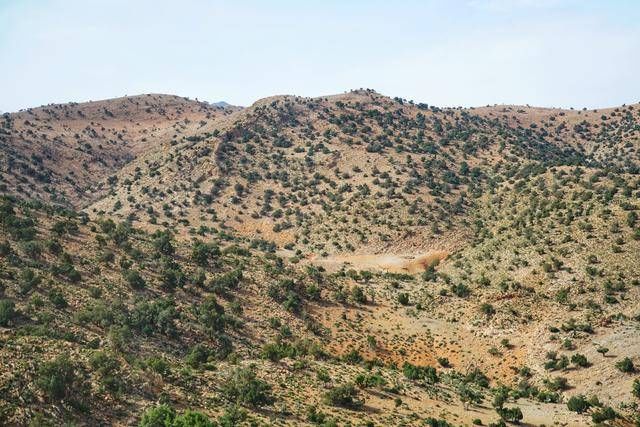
358	295
580	360
233	416
513	415
635	388
461	290
7	312
626	365
58	378
487	309
345	396
403	298
603	415
160	416
106	367
202	253
57	299
134	279
28	280
435	422
244	387
425	373
578	404
197	356
192	419
154	316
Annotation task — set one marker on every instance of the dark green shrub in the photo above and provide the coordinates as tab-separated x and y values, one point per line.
160	416
59	378
580	360
197	356
106	368
57	299
626	365
578	404
244	387
604	414
345	396
134	279
513	415
425	373
7	312
192	419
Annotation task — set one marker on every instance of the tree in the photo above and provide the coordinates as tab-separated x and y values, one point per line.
604	414
578	404
358	295
59	379
626	365
162	243
7	312
602	350
580	360
345	396
513	415
134	279
160	416
635	388
244	387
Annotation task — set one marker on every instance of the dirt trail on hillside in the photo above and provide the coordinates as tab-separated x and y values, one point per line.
392	263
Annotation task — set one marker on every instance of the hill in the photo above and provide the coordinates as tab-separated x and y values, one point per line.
348	259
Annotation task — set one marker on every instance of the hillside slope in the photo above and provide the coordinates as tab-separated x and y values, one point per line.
343	260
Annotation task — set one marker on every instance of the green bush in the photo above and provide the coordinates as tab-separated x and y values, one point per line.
425	373
604	414
192	419
580	360
244	387
513	415
578	404
345	396
197	356
160	416
7	312
626	365
107	368
134	279
59	378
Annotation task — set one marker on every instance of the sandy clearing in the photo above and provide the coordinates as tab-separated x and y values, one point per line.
393	263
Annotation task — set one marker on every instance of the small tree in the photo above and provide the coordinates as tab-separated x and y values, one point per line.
345	396
626	365
635	388
159	416
7	312
244	387
59	379
578	404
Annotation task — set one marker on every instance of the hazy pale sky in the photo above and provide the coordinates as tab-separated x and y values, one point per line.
563	53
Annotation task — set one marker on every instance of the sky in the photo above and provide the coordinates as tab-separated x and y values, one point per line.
555	53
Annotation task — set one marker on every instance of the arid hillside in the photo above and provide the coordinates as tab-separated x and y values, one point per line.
343	260
60	153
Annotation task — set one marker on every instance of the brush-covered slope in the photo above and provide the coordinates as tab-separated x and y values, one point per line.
59	152
344	260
